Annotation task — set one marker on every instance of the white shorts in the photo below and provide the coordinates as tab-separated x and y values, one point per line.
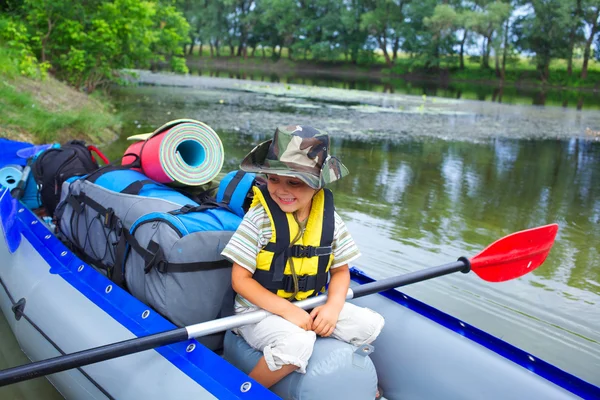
284	343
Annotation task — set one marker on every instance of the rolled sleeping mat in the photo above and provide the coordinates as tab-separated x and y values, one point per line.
336	370
184	152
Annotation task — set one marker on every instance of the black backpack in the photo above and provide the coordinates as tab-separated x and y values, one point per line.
56	165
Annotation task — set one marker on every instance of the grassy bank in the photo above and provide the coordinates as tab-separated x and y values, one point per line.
520	71
45	110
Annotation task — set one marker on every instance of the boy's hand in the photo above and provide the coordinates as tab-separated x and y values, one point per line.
324	318
298	317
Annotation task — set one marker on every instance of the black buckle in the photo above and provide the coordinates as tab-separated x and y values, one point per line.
183	210
157	261
108	218
161	266
301	251
309	251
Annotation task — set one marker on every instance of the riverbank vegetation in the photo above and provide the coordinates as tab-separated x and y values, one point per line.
40	109
548	42
86	44
535	42
45	44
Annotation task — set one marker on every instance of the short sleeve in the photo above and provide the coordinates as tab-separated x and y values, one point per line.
248	239
344	248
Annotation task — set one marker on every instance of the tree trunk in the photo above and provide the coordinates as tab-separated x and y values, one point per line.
588	44
504	51
486	53
242	48
212	54
497	64
45	39
253	51
544	69
383	46
354	55
395	48
576	18
462	49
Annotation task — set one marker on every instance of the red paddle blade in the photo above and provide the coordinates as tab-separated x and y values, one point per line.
514	255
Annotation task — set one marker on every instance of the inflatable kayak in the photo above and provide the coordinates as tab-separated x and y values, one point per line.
56	304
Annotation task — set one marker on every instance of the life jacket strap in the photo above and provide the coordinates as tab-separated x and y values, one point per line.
305	282
299	251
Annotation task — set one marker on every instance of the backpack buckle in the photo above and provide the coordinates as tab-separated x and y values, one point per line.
109	218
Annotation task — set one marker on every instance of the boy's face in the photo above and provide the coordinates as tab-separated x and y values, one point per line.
290	194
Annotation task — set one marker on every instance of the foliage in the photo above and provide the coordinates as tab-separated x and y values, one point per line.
86	43
20	111
13	35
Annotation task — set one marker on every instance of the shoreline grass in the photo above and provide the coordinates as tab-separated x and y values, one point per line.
45	110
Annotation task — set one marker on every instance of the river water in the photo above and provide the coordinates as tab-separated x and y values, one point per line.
433	179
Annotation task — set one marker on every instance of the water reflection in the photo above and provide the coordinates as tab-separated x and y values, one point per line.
499	94
449	191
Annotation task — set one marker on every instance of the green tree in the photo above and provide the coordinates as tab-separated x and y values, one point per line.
575	26
88	43
543	31
442	25
488	21
383	21
591	15
352	36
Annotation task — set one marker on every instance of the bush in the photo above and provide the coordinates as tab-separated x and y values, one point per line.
17	55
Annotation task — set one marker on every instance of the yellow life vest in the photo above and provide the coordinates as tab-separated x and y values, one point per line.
312	254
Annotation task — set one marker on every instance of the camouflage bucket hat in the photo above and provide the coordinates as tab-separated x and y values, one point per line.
296	151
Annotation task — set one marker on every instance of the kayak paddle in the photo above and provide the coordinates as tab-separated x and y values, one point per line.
19	191
508	258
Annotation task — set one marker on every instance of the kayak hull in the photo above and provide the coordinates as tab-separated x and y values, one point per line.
56	304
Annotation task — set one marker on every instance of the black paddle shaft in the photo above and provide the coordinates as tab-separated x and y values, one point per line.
135	345
463	265
19	191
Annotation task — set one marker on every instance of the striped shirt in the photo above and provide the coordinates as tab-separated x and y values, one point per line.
255	232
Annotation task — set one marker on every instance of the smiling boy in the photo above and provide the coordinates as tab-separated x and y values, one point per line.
290	245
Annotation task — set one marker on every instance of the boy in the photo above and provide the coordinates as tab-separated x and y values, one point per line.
289	245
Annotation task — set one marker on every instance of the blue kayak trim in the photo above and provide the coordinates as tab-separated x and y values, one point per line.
534	364
208	369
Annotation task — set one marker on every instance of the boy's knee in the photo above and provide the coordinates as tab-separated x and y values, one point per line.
294	349
360	325
299	343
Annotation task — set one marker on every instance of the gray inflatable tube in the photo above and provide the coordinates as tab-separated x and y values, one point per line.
336	370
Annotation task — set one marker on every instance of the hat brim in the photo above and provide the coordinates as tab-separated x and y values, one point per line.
254	162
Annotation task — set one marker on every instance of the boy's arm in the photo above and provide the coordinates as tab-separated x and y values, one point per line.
338	286
250	289
325	317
